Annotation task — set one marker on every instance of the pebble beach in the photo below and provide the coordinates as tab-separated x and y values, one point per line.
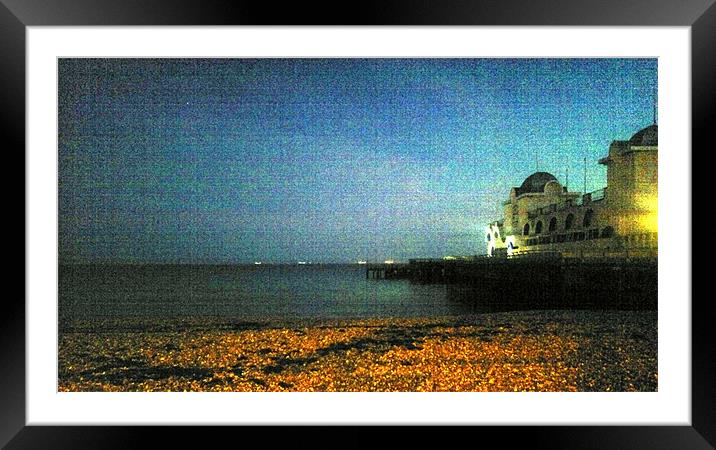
563	351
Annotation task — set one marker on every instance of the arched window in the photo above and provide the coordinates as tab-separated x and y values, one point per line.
526	230
552	224
538	227
569	221
607	232
587	221
487	237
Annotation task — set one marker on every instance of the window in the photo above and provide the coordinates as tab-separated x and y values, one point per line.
538	227
552	224
568	221
607	232
587	221
526	230
488	237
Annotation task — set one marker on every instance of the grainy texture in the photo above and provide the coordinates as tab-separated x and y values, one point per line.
519	351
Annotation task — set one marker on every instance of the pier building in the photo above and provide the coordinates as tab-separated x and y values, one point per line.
542	216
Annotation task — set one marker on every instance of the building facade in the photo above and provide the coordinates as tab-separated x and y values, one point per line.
542	216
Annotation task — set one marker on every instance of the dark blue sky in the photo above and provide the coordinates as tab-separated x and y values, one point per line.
331	160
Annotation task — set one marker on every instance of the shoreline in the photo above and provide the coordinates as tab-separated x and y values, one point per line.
555	350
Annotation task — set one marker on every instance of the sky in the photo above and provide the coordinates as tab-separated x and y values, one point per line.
323	160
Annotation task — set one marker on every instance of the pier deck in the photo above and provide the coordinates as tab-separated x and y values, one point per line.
545	279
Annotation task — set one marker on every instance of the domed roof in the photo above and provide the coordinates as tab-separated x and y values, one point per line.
535	183
649	136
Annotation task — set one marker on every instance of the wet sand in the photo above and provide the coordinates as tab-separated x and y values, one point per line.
515	351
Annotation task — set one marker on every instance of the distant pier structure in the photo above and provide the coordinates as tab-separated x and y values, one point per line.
387	271
540	279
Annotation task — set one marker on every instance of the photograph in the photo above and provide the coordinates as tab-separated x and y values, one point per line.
357	224
424	215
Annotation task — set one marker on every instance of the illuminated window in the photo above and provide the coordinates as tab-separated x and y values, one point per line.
587	221
568	221
552	224
538	227
526	230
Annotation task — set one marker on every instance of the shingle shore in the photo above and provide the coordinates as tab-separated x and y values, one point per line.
515	351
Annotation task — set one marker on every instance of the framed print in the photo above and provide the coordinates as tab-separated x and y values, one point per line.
320	223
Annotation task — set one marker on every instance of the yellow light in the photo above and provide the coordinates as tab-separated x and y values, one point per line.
649	222
648	203
648	219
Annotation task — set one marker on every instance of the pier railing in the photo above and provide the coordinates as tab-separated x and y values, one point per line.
585	199
616	255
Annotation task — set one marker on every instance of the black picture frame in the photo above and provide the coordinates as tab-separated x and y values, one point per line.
16	15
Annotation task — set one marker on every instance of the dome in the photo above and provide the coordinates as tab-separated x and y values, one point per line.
649	136
535	183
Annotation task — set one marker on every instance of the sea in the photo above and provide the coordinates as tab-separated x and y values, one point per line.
266	291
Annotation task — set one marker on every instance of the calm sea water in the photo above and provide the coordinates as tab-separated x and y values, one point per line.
252	292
